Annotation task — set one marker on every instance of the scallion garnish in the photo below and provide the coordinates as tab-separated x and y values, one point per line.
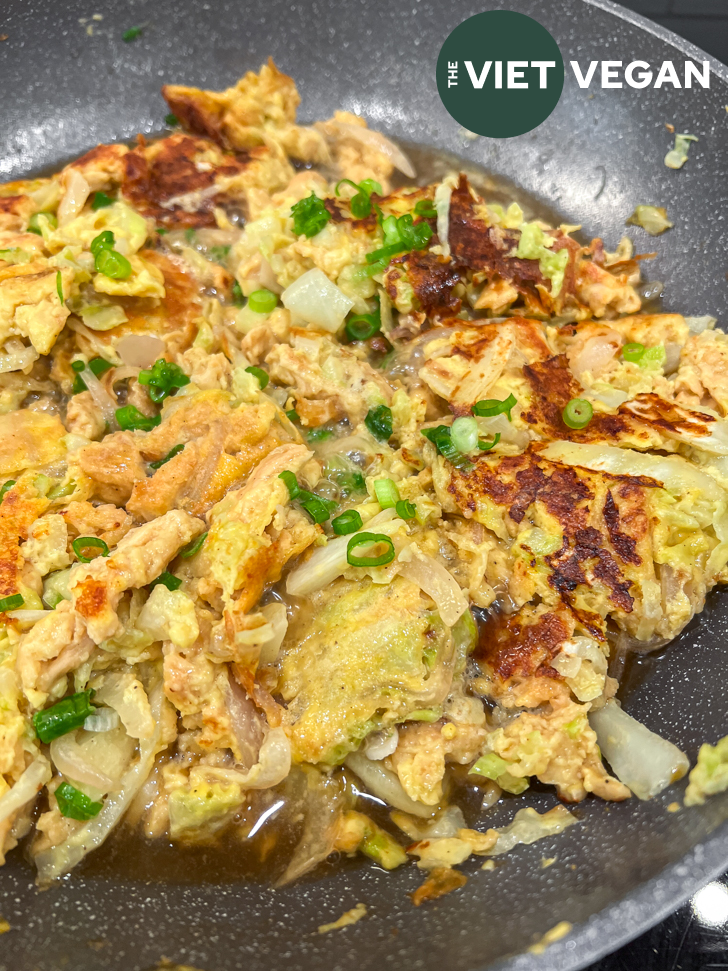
168	580
370	539
63	717
86	543
361	203
162	379
440	438
633	352
258	373
34	225
59	285
98	365
405	509
487	446
310	215
401	235
101	201
131	34
361	327
106	259
319	435
171	120
425	209
218	254
347	522
170	455
386	492
577	413
291	483
194	547
237	294
74	804
379	422
130	419
492	406
7	486
293	415
13	602
318	509
464	434
262	301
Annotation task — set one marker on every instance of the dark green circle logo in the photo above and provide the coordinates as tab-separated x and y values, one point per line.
500	73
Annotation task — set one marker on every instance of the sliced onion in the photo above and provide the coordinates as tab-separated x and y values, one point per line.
75	196
443	194
317	300
104	720
126	695
385	785
436	581
639	758
272	767
277	618
374	139
102	399
15	356
27	616
54	862
444	825
97	759
379	745
26	788
140	350
246	723
696	325
328	562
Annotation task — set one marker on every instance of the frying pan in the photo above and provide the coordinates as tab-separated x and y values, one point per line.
624	867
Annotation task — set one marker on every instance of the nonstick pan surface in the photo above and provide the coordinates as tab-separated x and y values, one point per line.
625	866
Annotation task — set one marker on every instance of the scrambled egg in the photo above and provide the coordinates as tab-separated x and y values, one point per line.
322	485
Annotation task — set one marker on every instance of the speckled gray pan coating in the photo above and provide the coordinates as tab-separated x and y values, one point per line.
599	154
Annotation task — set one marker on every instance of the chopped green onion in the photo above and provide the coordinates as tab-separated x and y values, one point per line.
161	231
347	522
258	373
440	438
113	264
13	602
78	385
170	455
218	254
77	366
168	580
190	235
487	446
34	225
369	539
101	201
405	509
310	215
291	482
131	419
194	547
88	542
237	294
379	422
464	434
74	804
319	435
131	34
361	204
63	717
98	365
262	301
633	352
361	327
578	413
162	378
59	285
386	492
492	406
425	209
293	415
62	489
6	488
318	509
401	235
171	120
104	240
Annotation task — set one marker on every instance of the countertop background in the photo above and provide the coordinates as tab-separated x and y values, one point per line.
695	938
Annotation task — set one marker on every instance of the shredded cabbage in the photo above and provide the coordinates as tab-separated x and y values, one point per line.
710	774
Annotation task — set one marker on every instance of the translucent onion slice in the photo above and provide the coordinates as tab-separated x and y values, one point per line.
639	758
385	785
26	788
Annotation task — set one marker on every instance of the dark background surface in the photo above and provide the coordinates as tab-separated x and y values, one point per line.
694	938
65	91
703	22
